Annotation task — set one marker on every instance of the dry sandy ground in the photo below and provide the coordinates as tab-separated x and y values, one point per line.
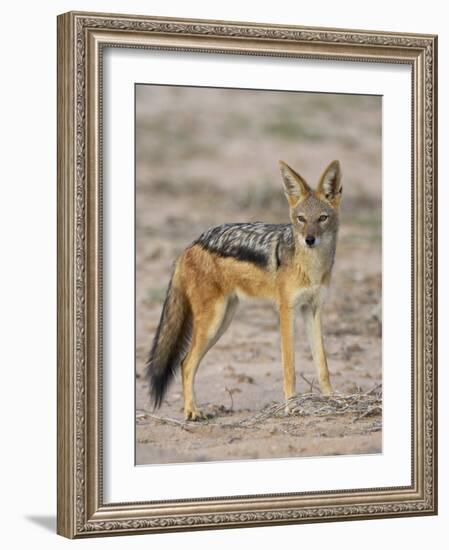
206	157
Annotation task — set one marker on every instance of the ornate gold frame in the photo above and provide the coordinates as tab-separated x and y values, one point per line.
81	37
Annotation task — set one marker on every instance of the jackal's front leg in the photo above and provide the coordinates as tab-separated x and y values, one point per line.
286	318
313	325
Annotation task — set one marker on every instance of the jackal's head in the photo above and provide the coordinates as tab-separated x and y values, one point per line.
314	214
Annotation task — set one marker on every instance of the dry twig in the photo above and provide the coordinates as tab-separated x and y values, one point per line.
164	419
311	383
232	399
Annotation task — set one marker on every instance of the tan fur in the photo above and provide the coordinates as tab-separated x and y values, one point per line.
301	280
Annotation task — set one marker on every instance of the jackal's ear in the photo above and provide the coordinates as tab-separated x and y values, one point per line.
296	189
330	187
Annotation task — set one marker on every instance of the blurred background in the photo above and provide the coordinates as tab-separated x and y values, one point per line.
208	156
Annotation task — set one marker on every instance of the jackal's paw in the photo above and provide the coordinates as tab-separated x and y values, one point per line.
288	409
194	414
327	390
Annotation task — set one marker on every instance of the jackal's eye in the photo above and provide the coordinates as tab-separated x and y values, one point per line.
301	219
323	218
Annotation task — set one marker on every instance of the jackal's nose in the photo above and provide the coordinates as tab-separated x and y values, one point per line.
310	240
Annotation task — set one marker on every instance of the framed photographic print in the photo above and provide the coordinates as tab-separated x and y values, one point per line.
246	274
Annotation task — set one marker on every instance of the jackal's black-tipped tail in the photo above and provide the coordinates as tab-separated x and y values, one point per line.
170	343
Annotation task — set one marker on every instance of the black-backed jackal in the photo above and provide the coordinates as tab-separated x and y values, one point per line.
289	264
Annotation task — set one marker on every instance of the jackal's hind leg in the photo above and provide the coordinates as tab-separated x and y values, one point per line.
208	326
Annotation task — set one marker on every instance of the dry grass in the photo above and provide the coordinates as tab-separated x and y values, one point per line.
313	404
